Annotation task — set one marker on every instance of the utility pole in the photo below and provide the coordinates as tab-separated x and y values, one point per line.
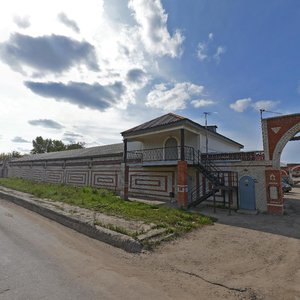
262	110
206	135
261	113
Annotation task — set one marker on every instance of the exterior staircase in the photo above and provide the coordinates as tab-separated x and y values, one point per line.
211	172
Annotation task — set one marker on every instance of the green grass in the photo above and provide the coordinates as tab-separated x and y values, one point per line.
175	220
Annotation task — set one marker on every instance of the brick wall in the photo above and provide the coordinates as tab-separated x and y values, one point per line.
255	169
148	182
101	172
276	134
97	172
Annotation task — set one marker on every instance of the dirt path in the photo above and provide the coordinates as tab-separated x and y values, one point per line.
250	257
226	262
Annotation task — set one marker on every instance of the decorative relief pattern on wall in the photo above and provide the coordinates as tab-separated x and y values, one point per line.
151	183
77	177
38	175
106	174
54	176
105	179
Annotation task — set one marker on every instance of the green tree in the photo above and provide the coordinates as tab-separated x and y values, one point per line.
13	154
57	145
78	145
41	145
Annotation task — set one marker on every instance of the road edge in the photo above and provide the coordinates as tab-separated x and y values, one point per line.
99	233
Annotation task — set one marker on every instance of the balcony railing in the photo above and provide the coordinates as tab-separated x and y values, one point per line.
241	156
191	155
161	154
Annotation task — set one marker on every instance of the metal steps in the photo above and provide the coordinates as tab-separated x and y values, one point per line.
210	171
201	199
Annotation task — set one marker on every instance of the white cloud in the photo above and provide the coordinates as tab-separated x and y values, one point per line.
22	22
220	50
152	25
118	46
265	104
241	104
121	55
173	98
202	103
202	51
206	49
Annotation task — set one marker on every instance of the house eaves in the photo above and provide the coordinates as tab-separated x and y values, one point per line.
184	122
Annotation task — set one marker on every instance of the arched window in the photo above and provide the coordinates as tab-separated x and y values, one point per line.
171	149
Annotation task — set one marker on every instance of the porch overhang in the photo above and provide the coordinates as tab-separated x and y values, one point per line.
186	124
136	135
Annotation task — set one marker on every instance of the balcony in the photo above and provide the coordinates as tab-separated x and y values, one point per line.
166	156
170	156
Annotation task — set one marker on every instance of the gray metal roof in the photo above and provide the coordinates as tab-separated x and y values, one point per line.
167	119
77	153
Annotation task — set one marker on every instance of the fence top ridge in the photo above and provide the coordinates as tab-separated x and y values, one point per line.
74	154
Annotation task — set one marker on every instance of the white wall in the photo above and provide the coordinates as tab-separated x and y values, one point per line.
216	144
197	141
134	146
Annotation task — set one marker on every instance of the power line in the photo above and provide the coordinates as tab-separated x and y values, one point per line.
268	111
206	114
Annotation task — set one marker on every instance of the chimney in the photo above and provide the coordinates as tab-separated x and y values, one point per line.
212	128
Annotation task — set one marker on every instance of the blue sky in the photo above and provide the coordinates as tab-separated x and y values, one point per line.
87	72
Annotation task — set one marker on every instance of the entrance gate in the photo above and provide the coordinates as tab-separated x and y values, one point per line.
277	132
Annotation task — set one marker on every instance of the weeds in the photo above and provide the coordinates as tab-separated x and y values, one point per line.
104	201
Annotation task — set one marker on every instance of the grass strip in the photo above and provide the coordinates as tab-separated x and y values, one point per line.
174	220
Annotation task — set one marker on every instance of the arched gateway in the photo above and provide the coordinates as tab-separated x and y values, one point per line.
277	132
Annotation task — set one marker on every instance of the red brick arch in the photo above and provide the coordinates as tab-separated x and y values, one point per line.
277	132
295	168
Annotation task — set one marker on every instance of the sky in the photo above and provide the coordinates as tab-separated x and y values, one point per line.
84	71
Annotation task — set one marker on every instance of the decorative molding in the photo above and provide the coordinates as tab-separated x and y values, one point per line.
275	129
105	179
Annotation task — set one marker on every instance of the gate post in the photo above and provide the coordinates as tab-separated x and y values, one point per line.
182	187
274	192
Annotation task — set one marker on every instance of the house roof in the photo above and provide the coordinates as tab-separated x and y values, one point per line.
169	120
76	153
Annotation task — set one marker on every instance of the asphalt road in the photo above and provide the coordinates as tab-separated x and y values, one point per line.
40	259
240	257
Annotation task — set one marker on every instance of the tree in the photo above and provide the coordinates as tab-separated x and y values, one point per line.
13	154
41	145
78	145
57	145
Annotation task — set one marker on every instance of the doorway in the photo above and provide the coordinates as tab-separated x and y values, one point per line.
247	193
171	149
